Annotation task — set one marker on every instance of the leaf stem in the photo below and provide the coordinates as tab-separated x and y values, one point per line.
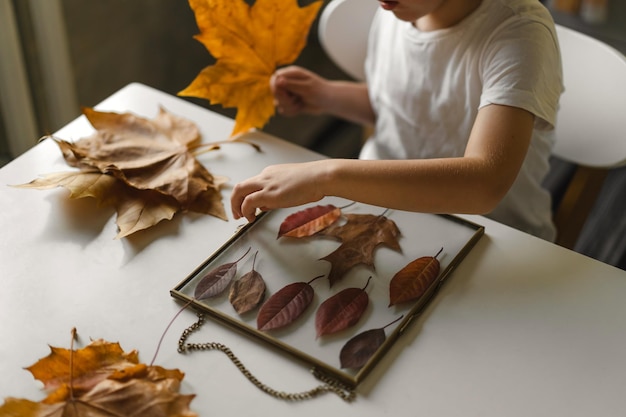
212	146
438	253
317	277
71	382
347	205
395	321
168	327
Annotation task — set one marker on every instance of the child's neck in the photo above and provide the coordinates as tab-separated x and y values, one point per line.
448	14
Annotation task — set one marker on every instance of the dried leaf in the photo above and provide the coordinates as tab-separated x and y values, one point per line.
286	305
341	311
91	364
216	280
143	168
360	236
358	350
249	43
309	221
413	280
248	291
101	380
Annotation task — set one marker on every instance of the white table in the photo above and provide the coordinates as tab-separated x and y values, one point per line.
521	328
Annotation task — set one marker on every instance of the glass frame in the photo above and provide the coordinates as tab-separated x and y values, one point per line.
284	260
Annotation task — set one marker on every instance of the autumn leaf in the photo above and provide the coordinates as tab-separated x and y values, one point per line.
286	305
412	281
359	349
341	311
248	291
309	221
216	280
248	42
360	236
101	380
144	168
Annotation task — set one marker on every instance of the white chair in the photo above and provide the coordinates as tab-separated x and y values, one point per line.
343	29
591	126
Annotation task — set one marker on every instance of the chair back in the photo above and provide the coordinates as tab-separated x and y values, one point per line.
343	29
591	121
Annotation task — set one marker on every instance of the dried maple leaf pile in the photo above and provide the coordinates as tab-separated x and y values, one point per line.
144	168
102	380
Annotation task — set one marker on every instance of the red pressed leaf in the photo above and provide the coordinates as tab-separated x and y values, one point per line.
248	291
309	221
341	311
286	305
413	280
216	280
358	350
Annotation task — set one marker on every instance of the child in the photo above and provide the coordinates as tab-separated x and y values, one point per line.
462	95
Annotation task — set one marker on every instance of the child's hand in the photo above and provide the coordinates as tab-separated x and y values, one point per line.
297	90
277	186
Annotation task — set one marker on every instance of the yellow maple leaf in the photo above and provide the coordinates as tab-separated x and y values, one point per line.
249	43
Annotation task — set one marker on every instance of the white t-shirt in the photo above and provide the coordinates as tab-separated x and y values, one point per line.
426	89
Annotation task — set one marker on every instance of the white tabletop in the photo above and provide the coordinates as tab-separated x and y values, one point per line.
521	328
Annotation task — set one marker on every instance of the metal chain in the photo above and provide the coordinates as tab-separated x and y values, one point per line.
330	385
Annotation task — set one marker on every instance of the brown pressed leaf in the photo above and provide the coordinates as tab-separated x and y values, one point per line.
249	42
413	280
358	350
309	221
286	305
217	280
341	311
144	168
360	236
102	380
248	291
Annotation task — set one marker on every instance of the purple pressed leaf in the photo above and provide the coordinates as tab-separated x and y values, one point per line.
216	280
341	311
286	305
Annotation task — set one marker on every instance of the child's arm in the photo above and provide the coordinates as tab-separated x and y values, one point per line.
297	90
474	183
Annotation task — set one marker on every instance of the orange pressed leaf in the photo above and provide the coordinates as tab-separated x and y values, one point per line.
412	281
309	221
248	42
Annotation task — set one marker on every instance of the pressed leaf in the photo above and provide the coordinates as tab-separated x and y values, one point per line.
341	311
248	42
360	236
413	280
217	280
248	291
286	305
358	350
309	221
